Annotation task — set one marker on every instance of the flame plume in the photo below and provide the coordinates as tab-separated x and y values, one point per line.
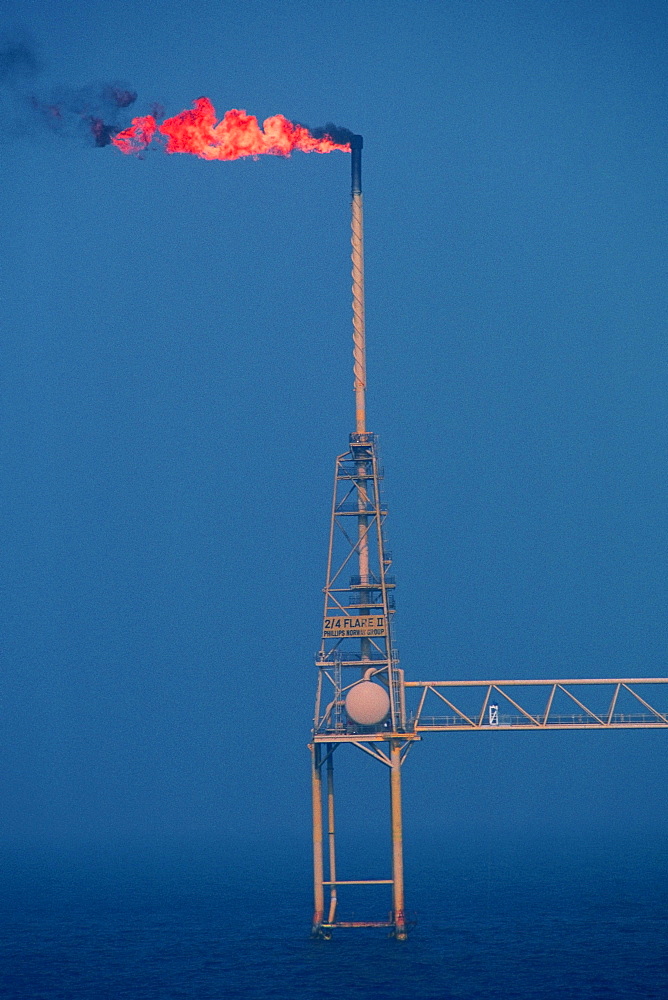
237	134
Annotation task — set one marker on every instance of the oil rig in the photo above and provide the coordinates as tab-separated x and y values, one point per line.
362	697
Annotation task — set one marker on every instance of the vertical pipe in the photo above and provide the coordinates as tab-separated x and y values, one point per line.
331	832
359	359
363	553
357	257
318	872
399	916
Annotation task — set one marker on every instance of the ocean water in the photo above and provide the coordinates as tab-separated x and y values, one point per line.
569	918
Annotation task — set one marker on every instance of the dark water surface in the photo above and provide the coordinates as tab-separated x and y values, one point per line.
567	919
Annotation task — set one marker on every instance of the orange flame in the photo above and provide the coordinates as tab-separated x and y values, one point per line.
237	134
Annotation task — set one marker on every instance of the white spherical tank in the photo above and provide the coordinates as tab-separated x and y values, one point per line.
367	703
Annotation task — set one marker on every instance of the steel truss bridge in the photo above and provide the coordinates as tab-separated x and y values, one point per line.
617	703
362	696
454	706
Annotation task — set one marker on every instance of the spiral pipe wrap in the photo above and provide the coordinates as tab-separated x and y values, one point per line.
359	344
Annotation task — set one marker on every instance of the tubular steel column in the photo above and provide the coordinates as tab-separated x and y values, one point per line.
399	914
331	833
357	256
318	868
359	357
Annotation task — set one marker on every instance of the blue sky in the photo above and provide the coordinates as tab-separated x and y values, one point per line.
177	382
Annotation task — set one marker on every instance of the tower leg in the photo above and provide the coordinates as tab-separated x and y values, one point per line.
318	870
331	832
398	916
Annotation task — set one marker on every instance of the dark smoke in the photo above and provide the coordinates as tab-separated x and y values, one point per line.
97	109
103	100
94	113
102	133
17	62
334	132
122	97
18	66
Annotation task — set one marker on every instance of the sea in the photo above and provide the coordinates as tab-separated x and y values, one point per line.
565	918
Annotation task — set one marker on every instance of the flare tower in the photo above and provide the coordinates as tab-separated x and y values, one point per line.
362	697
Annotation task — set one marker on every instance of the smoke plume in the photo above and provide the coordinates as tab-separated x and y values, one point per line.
93	113
17	62
336	133
99	114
